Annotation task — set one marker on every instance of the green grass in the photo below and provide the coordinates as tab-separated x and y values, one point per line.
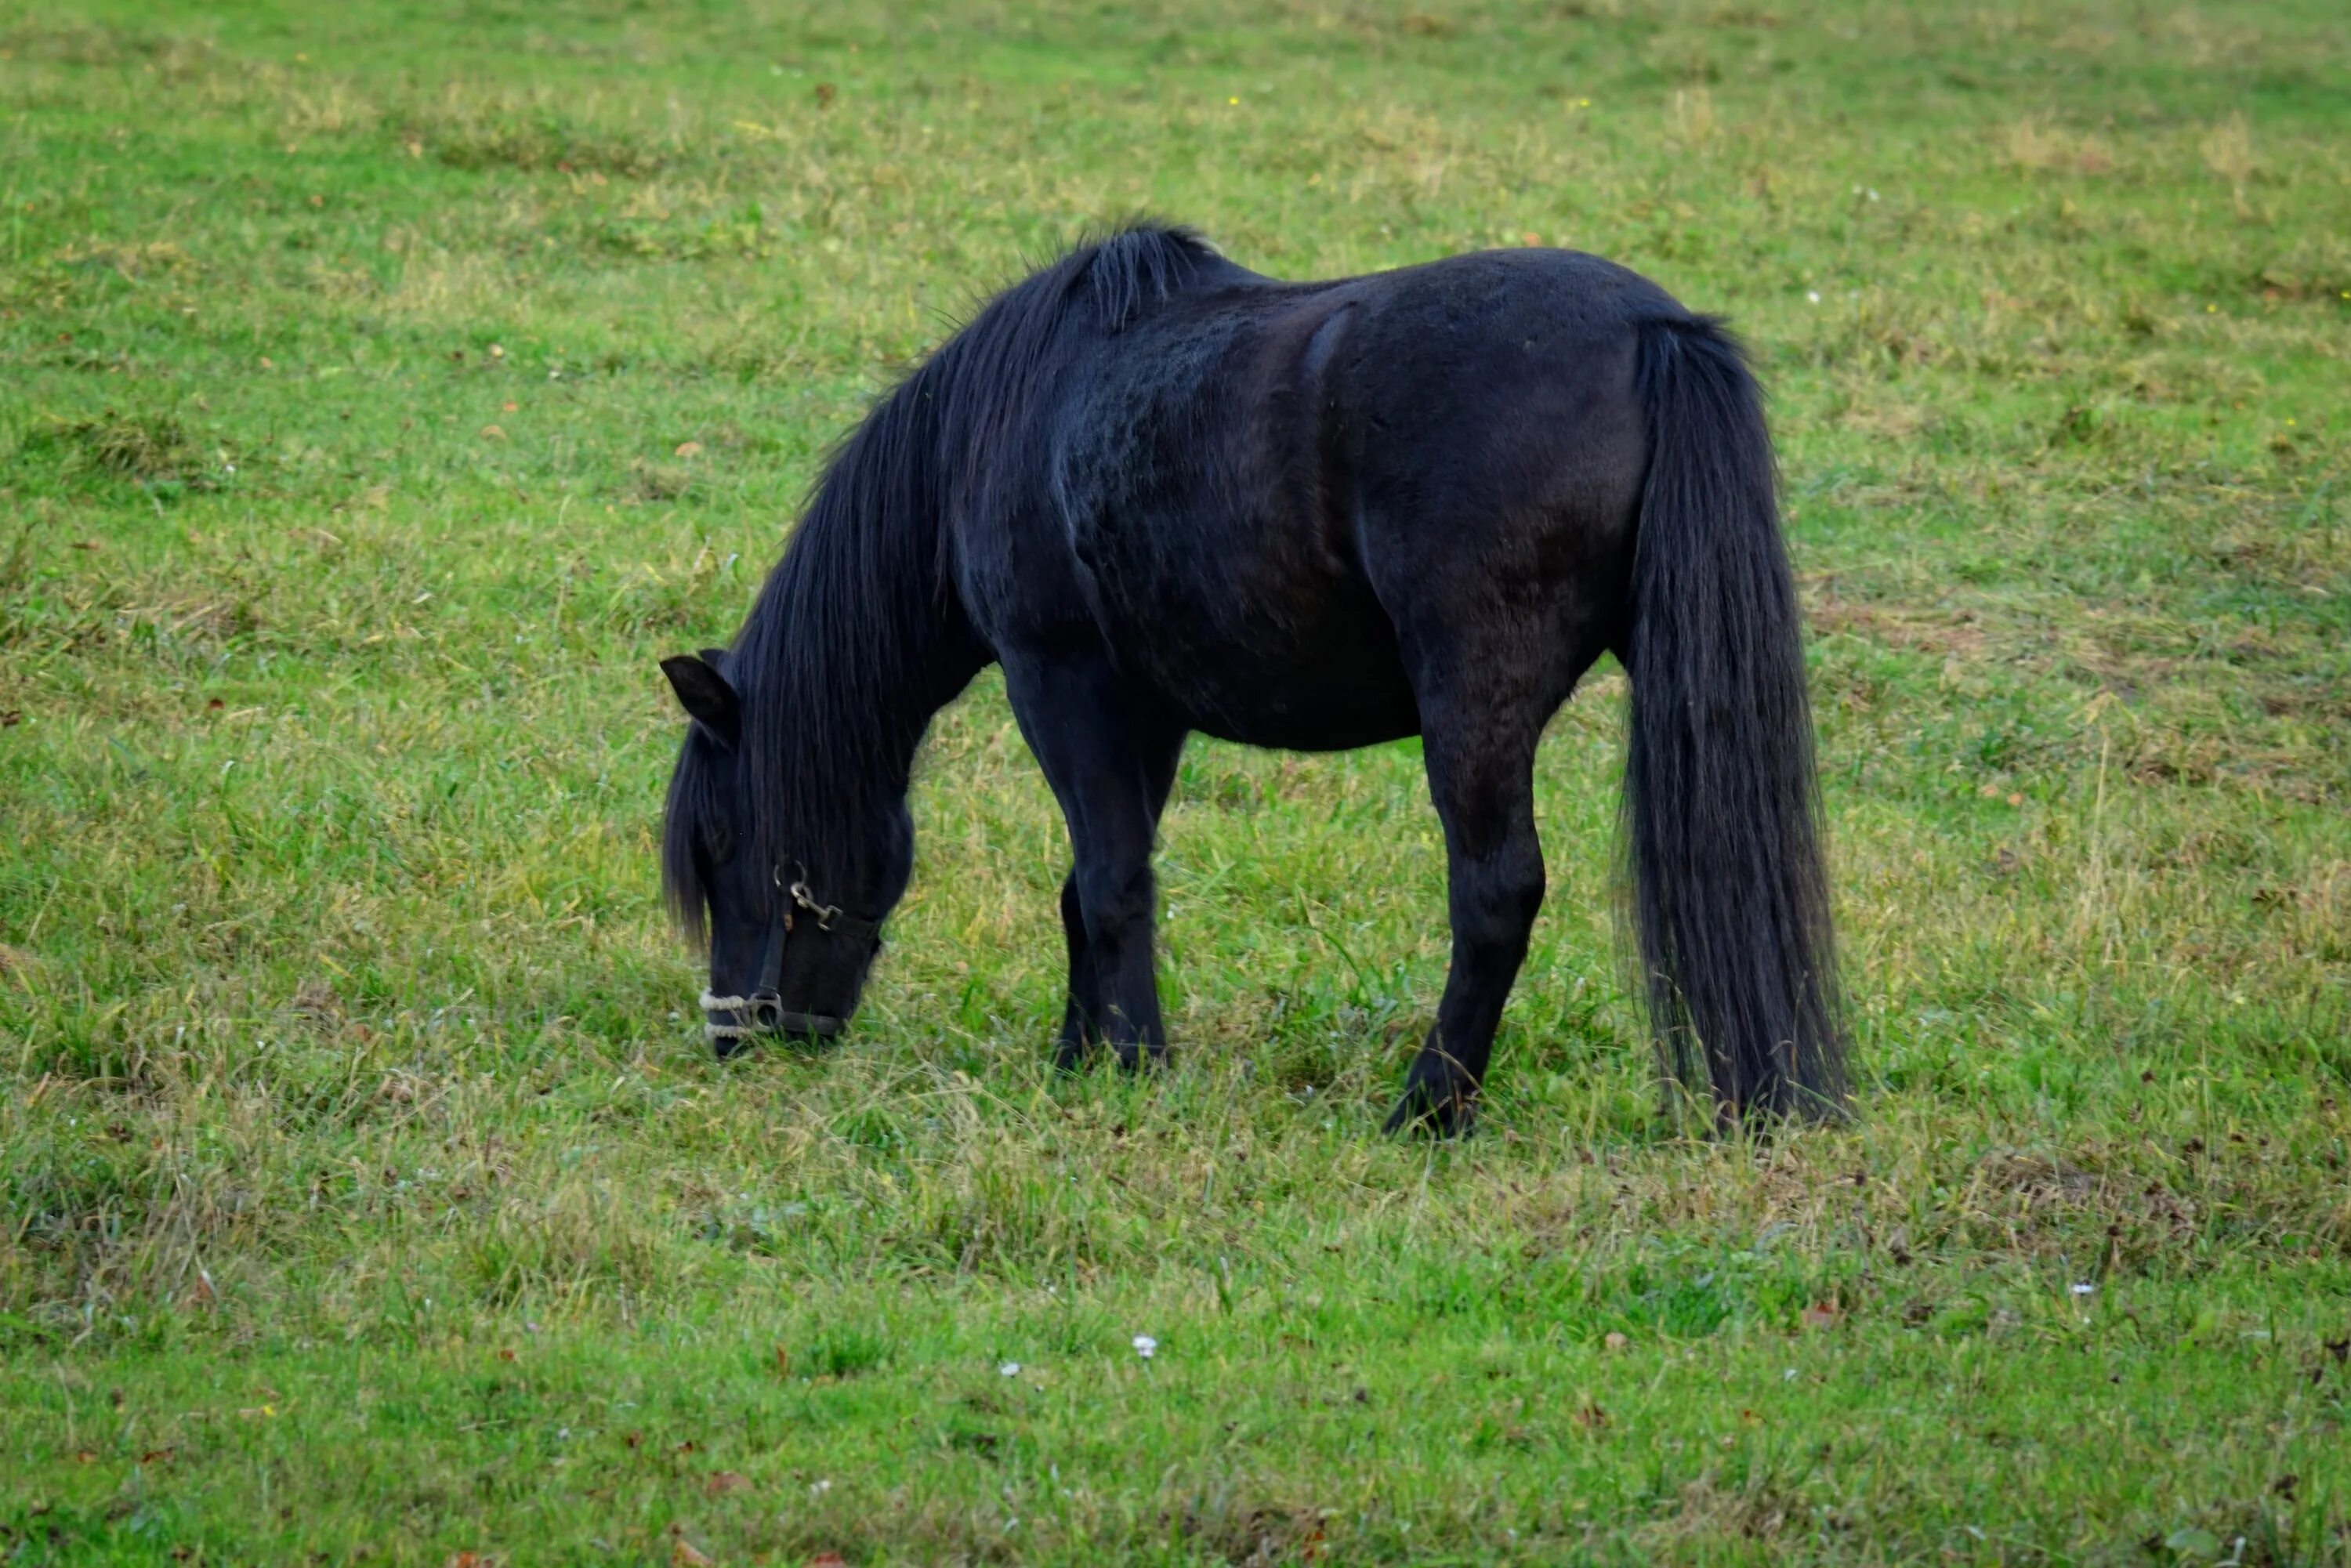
381	397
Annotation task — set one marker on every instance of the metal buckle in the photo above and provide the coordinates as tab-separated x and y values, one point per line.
807	900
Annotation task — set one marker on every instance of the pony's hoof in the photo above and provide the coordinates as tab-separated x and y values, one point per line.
1434	1113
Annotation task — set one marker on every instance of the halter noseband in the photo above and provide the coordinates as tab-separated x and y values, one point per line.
762	1012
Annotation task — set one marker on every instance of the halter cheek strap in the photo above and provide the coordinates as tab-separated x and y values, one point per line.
763	1011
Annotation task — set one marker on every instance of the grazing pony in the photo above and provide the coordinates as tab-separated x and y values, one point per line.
1166	494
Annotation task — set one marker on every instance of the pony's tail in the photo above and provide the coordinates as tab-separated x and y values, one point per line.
1730	894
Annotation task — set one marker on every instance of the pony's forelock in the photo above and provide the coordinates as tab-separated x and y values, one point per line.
685	823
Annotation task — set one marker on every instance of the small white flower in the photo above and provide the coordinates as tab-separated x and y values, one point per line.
1009	1369
1814	295
1145	1346
2084	1289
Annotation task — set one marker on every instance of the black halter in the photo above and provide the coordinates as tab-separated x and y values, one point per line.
763	1011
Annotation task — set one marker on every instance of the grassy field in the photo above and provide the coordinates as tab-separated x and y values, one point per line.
380	396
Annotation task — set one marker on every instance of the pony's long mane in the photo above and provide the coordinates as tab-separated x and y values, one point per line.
832	662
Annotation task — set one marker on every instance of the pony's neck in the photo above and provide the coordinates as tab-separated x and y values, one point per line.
878	663
853	646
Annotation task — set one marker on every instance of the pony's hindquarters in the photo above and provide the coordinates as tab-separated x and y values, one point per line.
1730	895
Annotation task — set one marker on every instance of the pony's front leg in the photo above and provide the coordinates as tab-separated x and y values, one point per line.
1081	1025
1110	763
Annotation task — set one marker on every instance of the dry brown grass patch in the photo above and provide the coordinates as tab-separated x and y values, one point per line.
1949	632
2035	145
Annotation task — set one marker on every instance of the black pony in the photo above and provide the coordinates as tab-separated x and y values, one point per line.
1167	494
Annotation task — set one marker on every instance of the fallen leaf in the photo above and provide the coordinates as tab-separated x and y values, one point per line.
492	433
683	1554
1821	1315
726	1481
689	449
85	1457
508	407
1615	1341
827	1560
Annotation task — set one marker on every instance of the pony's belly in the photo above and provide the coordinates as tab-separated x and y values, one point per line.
1315	695
1312	726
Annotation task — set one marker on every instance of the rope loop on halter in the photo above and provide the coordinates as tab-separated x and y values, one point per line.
765	1015
768	1016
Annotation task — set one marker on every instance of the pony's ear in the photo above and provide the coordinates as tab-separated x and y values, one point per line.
704	694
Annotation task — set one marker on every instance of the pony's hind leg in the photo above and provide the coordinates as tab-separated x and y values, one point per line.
1488	674
1481	775
1110	766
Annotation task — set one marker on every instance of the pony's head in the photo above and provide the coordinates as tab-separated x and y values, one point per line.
789	947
